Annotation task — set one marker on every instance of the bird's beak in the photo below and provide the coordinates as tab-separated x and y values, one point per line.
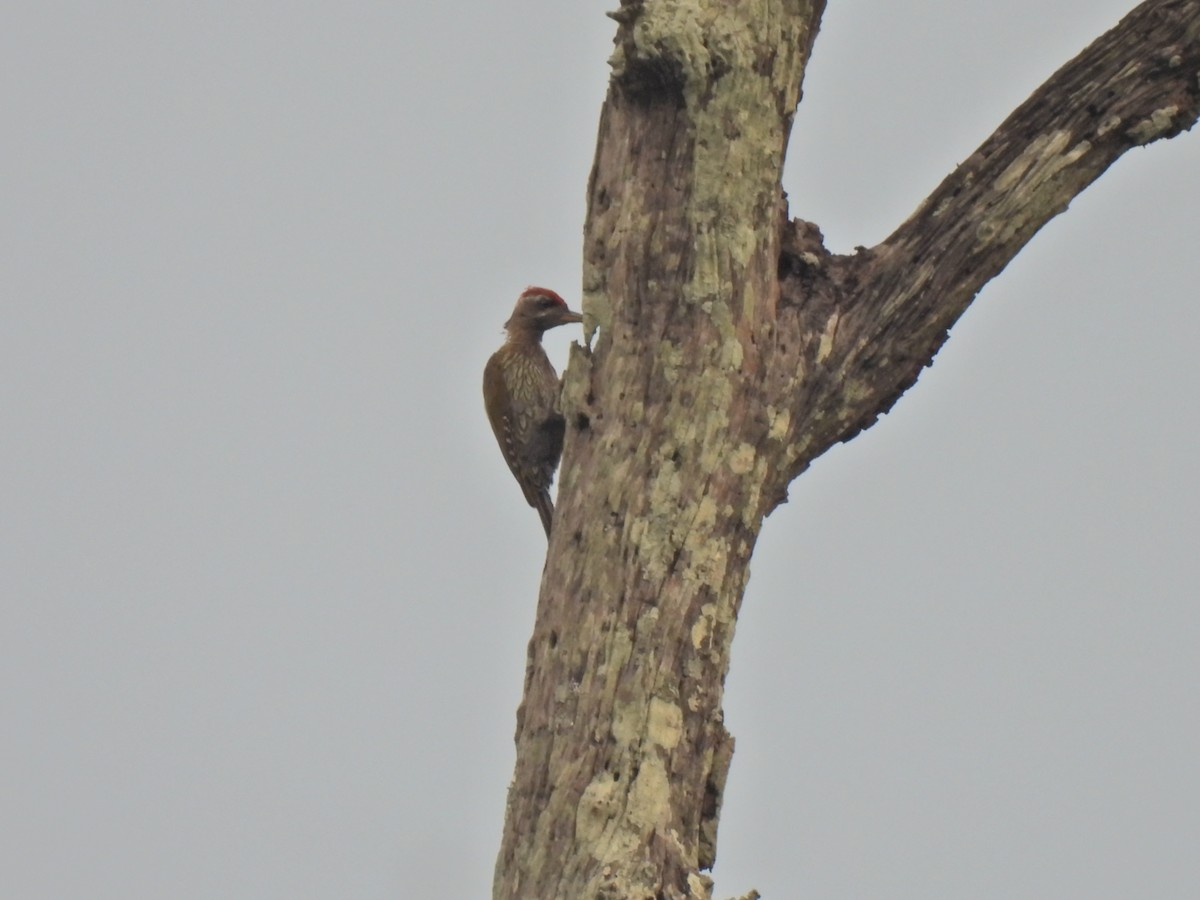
569	316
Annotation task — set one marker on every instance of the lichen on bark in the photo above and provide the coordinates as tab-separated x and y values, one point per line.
726	349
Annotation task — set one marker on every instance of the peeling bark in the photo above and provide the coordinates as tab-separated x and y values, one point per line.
730	350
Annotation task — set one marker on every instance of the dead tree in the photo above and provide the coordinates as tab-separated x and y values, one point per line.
728	349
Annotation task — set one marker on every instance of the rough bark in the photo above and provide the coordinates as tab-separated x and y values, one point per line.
732	349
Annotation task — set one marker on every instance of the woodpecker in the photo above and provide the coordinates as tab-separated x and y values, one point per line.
520	394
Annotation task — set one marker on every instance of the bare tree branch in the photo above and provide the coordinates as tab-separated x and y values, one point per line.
891	306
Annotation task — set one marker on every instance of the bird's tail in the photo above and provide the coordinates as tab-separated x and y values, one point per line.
545	508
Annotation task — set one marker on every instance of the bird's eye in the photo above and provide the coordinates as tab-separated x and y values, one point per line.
546	302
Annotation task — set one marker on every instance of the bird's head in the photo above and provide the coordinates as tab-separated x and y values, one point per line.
539	309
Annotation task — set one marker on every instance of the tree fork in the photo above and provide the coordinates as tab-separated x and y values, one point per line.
732	350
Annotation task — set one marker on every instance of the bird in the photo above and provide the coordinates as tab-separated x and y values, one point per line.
520	395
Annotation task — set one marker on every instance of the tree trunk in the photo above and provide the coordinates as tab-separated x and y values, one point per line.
732	350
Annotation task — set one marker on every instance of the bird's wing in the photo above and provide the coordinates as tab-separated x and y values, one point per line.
529	446
495	392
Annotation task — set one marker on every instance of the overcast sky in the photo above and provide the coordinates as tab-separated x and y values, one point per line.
267	584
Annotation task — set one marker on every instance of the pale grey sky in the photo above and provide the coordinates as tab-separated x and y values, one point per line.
267	583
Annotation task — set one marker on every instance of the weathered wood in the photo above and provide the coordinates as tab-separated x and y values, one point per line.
883	313
731	350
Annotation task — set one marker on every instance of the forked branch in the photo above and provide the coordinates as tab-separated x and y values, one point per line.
881	315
